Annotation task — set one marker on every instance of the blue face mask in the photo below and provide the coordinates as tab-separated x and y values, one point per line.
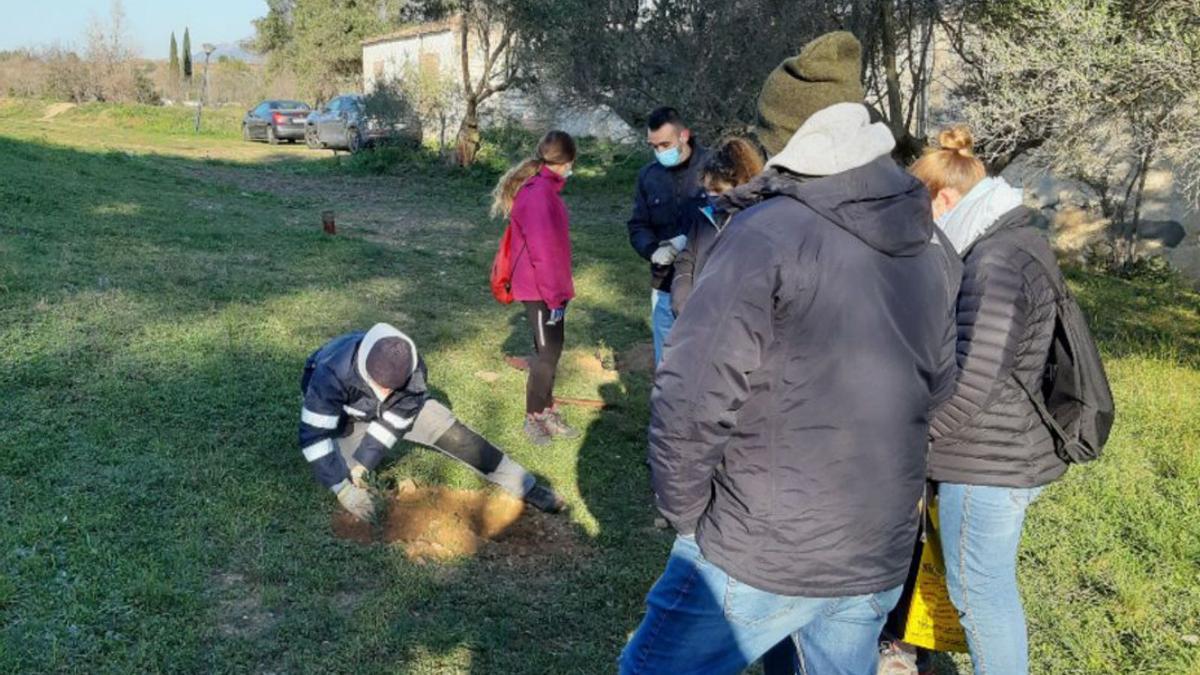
669	158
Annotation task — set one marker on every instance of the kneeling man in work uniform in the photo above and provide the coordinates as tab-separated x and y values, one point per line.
364	391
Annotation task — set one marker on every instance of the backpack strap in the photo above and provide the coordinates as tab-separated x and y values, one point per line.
1043	412
1061	292
524	247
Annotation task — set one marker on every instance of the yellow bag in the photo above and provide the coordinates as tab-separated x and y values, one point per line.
932	620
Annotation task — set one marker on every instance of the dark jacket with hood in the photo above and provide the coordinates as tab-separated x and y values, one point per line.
666	205
337	392
790	417
989	433
691	260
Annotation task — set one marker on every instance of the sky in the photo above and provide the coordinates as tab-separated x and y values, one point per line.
41	23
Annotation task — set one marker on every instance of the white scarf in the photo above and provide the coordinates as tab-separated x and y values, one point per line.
978	210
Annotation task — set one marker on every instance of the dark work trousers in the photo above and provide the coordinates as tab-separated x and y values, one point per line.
543	365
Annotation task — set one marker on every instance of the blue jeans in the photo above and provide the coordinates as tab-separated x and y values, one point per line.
980	531
701	620
661	320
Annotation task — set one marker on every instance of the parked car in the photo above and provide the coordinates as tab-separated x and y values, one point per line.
344	124
274	121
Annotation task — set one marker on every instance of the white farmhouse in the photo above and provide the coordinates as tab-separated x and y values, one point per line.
434	48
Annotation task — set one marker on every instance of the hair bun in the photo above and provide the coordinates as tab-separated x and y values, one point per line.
959	140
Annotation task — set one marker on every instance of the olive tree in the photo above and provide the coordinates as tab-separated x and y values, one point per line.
1100	91
709	59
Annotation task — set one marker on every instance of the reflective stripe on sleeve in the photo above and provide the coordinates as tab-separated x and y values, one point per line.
398	423
314	419
318	450
381	434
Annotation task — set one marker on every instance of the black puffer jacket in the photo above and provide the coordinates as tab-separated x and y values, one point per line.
989	433
790	416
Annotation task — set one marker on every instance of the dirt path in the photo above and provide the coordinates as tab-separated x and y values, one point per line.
55	110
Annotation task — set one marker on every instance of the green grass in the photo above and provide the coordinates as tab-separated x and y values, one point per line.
158	294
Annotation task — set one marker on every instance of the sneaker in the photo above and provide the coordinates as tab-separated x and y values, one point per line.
558	426
537	430
544	499
896	658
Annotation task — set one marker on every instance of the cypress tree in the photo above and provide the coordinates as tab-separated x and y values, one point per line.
187	55
174	63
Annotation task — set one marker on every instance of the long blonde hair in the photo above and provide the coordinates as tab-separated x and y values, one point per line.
952	164
556	147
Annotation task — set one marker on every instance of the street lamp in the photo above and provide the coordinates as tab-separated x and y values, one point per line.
208	50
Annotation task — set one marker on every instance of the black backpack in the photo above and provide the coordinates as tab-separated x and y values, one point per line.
1075	401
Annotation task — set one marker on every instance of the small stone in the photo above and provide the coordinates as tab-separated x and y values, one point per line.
661	523
1192	640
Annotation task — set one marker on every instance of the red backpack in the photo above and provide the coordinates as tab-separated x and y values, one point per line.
502	268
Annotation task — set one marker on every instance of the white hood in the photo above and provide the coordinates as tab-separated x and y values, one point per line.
377	333
836	139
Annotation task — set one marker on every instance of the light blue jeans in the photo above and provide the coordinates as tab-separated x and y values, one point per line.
661	320
700	620
981	530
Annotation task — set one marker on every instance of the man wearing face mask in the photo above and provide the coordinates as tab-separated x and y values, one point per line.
669	197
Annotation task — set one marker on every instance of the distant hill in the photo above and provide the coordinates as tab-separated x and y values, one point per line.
233	50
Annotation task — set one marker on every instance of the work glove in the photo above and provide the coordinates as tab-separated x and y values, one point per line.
557	315
357	501
669	250
358	475
665	255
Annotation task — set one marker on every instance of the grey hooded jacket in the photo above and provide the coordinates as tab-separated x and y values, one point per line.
790	416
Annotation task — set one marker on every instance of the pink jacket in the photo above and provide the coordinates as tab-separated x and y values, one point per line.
541	242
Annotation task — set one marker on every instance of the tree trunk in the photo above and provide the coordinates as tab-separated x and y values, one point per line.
1132	230
887	27
468	135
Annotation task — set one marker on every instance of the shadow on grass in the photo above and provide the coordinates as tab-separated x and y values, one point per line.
153	356
150	365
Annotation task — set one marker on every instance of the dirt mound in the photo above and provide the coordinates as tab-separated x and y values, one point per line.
437	523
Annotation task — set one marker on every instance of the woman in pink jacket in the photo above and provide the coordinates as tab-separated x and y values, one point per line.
541	278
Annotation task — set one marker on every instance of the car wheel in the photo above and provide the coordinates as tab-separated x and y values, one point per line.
246	132
271	137
311	139
355	141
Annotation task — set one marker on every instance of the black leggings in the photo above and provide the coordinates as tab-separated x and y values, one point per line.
543	365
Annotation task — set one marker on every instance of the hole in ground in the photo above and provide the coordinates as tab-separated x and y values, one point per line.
438	523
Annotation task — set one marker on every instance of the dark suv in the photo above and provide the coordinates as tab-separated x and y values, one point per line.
344	124
274	121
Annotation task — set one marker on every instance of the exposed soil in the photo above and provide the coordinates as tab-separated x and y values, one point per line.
240	610
592	366
56	110
637	359
437	523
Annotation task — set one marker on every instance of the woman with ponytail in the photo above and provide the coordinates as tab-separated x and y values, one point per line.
991	455
732	162
541	277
